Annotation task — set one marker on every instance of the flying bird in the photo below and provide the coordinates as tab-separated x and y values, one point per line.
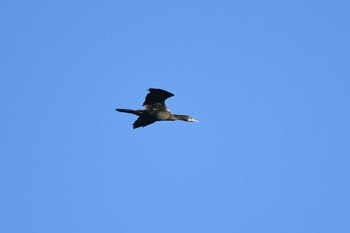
155	109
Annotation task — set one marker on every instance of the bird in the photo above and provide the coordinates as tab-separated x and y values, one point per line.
155	109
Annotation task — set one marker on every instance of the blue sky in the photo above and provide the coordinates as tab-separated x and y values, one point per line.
268	81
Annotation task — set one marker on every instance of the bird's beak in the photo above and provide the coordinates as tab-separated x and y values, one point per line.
193	120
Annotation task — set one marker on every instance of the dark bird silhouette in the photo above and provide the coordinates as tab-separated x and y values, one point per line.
155	109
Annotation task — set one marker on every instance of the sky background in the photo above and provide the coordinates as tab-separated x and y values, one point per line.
268	81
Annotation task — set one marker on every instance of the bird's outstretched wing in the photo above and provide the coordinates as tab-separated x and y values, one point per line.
156	97
142	122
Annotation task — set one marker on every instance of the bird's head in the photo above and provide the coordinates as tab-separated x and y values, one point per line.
184	118
191	119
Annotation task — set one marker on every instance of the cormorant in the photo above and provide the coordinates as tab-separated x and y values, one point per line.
155	109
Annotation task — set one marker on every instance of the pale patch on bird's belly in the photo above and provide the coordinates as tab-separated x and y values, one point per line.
162	116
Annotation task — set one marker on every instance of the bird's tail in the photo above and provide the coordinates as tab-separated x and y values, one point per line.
136	112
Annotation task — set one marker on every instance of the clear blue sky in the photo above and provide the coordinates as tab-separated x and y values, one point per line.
268	80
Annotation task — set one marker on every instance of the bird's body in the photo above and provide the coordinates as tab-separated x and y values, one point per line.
155	109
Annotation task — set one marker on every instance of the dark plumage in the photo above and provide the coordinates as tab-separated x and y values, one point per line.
155	109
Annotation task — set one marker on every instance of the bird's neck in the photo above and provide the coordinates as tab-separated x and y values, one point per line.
180	117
